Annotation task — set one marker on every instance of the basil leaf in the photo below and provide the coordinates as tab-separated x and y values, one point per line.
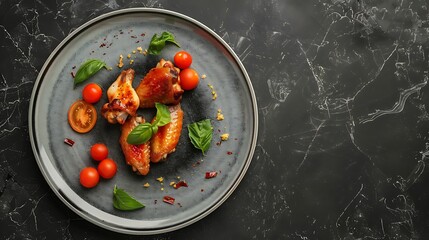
140	134
158	43
123	201
88	69
154	129
162	115
200	134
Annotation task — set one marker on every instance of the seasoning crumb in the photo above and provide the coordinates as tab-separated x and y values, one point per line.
178	177
145	52
134	51
160	179
172	183
219	115
131	61
140	49
203	76
121	61
214	94
146	185
162	189
129	56
224	137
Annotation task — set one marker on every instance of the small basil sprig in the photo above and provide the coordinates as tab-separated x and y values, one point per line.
144	131
200	134
157	43
123	201
88	69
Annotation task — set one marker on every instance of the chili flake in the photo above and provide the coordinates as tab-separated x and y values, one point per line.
68	141
211	174
180	184
168	199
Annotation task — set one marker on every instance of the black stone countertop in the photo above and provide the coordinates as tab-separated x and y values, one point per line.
344	118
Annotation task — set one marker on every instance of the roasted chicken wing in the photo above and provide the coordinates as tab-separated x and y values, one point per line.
165	140
137	156
160	85
123	99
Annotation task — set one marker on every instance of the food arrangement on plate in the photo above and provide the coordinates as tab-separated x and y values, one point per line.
142	141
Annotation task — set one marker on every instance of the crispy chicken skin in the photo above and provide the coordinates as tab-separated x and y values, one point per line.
123	99
165	140
161	84
137	156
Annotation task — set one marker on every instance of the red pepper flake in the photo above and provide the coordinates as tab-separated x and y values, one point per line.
180	184
68	141
168	199
72	74
102	45
211	174
229	153
143	34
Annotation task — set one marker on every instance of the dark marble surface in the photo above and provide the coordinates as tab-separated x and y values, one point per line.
344	118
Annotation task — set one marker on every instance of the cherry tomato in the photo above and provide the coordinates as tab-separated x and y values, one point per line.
107	168
189	79
99	151
89	177
82	116
91	93
182	59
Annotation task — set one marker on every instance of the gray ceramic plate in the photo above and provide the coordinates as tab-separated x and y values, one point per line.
106	37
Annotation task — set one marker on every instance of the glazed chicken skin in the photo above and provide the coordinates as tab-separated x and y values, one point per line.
123	99
137	156
165	140
161	84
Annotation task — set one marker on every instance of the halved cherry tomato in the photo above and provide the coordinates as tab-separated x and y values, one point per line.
82	116
91	93
189	79
89	177
107	168
182	59
99	151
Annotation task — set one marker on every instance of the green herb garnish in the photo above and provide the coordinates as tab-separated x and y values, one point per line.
200	134
157	43
123	201
88	69
144	131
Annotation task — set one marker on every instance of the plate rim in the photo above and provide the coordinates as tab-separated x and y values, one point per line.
68	202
